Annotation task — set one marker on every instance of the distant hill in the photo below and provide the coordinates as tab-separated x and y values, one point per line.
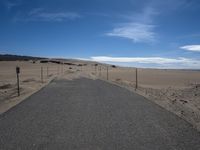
76	62
8	57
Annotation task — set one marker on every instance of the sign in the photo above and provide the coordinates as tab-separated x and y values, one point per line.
17	70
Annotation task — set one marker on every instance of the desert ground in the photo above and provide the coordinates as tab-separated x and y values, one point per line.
176	90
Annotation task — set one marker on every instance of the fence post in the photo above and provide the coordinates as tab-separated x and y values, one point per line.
42	74
100	71
136	79
107	72
17	72
62	67
47	72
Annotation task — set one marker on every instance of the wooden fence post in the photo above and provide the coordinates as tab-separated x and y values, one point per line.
42	74
47	72
95	69
62	67
17	72
100	71
107	72
136	78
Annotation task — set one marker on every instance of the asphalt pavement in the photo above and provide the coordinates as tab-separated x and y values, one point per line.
86	114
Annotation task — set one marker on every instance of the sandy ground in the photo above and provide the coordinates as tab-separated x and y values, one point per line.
176	90
31	80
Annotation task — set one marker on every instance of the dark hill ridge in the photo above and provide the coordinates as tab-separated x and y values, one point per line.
65	61
8	57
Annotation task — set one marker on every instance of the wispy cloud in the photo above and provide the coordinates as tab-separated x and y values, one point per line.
159	62
98	14
146	16
135	31
141	26
138	28
40	14
10	4
195	48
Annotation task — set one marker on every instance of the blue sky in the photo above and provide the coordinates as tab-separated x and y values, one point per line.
142	33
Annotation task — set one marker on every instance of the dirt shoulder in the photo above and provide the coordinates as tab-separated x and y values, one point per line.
9	97
8	92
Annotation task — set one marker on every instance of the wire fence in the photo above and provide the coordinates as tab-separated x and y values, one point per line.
154	83
27	74
31	77
31	73
153	78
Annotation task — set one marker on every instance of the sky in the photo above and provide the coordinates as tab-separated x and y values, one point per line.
138	33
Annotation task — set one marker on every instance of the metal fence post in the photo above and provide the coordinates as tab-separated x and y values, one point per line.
100	71
95	70
17	72
42	74
47	72
62	67
107	72
136	78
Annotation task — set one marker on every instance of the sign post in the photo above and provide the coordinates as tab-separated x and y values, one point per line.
17	72
136	78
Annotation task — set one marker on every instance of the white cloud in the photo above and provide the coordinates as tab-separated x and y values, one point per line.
152	62
137	32
39	14
146	16
158	60
36	11
139	26
9	5
60	16
191	48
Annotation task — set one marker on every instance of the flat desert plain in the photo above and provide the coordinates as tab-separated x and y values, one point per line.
177	91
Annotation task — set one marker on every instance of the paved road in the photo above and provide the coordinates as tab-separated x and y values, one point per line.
92	115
